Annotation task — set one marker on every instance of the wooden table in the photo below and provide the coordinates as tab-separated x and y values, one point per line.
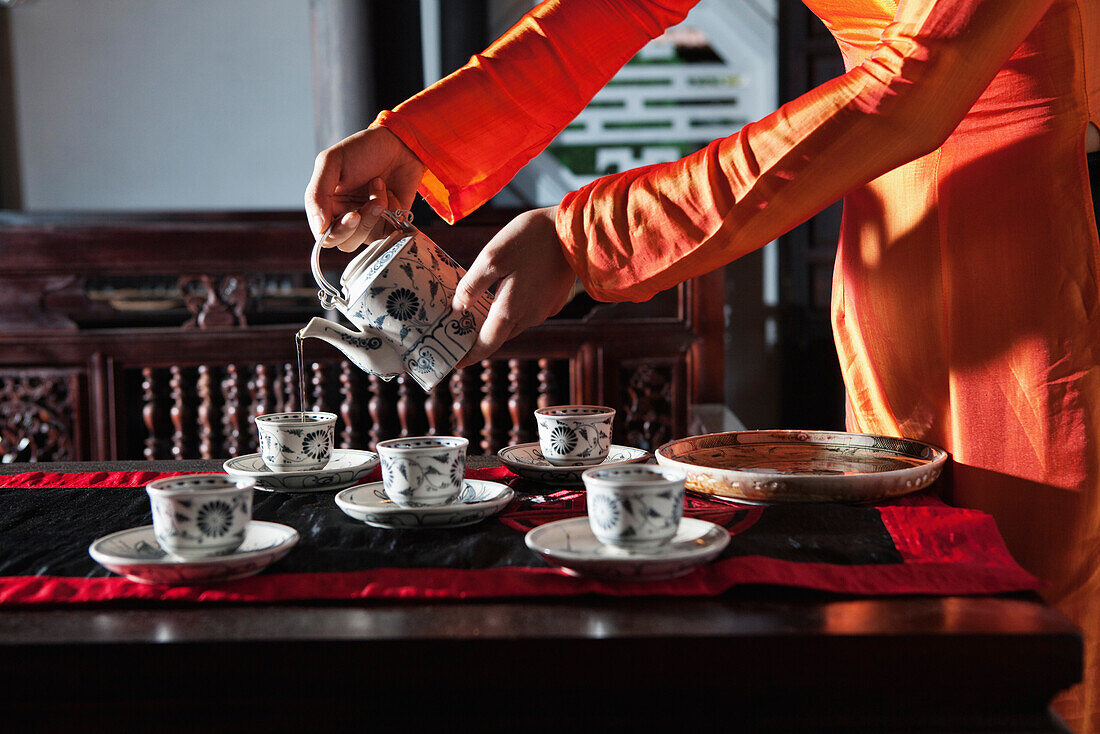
754	659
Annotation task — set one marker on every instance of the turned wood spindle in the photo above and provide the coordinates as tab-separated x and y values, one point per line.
548	384
437	409
182	417
521	403
403	405
351	409
464	406
317	382
231	407
150	413
290	387
382	411
259	400
494	407
410	407
205	412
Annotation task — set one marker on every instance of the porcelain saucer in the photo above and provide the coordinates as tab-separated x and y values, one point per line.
135	554
345	468
478	500
571	545
526	460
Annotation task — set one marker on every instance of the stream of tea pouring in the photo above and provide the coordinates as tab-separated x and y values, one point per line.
299	337
374	249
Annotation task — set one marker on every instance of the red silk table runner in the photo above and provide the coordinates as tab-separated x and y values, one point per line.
913	545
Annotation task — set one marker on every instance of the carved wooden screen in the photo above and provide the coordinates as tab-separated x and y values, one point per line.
157	337
40	414
207	410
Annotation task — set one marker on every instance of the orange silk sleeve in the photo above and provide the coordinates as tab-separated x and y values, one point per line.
632	234
477	127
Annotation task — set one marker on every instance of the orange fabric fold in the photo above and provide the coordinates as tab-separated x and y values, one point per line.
966	297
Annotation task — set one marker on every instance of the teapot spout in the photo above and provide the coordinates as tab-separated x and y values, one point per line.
367	351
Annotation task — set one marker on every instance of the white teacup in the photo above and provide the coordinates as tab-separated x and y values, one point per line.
575	435
636	507
422	471
296	441
200	515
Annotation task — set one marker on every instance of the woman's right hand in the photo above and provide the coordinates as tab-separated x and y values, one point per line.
369	171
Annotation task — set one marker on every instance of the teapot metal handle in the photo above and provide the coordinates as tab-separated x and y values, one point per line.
400	218
329	296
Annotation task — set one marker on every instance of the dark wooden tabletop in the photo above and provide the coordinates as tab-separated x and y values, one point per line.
753	659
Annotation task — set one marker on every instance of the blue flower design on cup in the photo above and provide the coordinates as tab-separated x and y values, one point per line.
563	439
296	441
200	515
316	445
421	471
634	508
603	511
574	435
214	518
458	469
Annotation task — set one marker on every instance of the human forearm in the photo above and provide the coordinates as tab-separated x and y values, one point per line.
478	126
639	232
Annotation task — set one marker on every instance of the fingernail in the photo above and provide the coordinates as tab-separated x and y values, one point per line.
375	210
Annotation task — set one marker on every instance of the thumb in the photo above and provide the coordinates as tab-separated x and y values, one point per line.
479	278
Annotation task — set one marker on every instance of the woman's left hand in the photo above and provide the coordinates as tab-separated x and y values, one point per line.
526	263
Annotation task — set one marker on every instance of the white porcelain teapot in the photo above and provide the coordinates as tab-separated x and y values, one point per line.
398	293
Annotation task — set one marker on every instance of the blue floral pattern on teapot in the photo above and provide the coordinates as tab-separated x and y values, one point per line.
401	303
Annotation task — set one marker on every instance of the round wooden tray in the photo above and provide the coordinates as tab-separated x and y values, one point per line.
803	466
